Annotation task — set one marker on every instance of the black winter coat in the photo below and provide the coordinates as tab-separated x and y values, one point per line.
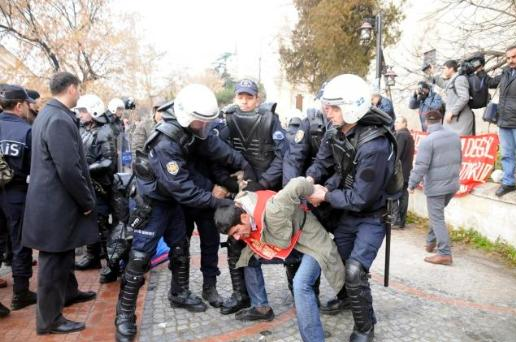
60	188
507	104
405	151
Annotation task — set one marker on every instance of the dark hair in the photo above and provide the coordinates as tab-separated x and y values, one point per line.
9	104
226	217
33	94
61	81
452	64
512	47
434	116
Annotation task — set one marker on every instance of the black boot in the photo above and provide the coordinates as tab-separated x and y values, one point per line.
90	260
109	274
132	280
338	304
23	299
210	293
359	292
4	311
239	298
179	294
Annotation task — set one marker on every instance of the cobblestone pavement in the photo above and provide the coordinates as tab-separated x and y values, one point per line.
473	300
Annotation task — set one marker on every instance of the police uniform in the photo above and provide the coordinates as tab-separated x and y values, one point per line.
363	159
166	181
15	145
99	147
258	135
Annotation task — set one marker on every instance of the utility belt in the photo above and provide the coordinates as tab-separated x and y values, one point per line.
380	213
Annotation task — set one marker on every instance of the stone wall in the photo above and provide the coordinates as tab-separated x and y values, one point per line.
481	210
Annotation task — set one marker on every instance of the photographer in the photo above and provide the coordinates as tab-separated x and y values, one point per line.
458	117
426	100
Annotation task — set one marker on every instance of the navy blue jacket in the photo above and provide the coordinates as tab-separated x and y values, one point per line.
432	102
374	165
15	144
177	175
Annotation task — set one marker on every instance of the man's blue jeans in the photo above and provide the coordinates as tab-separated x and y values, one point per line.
508	145
255	284
307	311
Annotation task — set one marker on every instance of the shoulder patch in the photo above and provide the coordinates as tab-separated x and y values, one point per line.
172	168
300	134
278	135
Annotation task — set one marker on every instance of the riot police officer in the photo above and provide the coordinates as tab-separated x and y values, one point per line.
15	146
167	179
99	149
116	109
256	132
361	149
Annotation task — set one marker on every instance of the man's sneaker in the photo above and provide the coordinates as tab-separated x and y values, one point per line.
23	299
504	189
252	314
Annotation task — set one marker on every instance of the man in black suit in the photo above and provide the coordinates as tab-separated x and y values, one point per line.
59	211
406	155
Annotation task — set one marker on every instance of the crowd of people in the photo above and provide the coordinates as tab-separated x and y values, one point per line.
317	196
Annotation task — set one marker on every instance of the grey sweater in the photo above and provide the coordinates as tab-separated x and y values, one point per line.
438	162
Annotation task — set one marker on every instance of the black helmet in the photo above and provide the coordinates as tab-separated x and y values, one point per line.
167	110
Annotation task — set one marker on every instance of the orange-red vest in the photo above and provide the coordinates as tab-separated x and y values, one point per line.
262	249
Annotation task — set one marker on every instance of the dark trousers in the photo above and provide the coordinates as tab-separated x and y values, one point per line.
56	285
403	207
13	208
210	240
166	220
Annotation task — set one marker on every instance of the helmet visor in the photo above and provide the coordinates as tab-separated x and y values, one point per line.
200	129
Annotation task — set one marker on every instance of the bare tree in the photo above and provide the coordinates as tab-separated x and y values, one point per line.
53	35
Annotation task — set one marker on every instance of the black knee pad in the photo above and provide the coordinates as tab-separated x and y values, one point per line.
138	261
355	273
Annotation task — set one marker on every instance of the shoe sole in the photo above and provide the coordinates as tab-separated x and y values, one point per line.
15	308
124	338
234	311
256	320
59	332
188	308
80	301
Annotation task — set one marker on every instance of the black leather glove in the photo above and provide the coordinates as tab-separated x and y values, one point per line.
253	186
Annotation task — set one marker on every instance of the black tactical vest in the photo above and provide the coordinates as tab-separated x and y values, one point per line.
344	150
251	134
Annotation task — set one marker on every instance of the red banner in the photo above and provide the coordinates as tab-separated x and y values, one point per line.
478	158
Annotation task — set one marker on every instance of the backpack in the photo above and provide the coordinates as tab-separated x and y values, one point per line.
478	91
6	173
383	127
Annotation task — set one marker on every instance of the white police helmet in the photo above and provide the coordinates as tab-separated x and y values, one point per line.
351	94
114	104
93	105
195	102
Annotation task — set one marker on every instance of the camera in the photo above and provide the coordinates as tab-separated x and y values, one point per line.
472	64
129	102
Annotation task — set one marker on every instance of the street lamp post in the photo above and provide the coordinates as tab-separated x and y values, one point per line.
373	26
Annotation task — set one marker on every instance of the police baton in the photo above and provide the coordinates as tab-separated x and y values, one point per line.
388	222
387	254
